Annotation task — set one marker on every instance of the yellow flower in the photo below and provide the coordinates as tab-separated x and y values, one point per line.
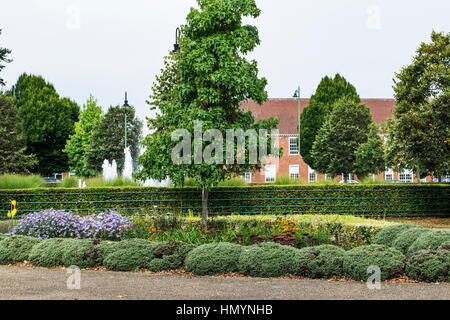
9	214
13	213
13	202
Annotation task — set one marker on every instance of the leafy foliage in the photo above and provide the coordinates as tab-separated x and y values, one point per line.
323	261
13	157
370	155
329	91
81	253
357	261
419	132
16	249
108	138
77	144
388	235
129	255
429	266
214	258
345	129
169	255
46	120
267	259
47	253
429	241
407	237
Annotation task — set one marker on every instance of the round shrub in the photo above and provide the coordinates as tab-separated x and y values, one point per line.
445	246
389	234
267	260
389	260
169	255
323	261
16	249
129	255
81	253
407	237
109	247
47	253
429	266
430	240
213	258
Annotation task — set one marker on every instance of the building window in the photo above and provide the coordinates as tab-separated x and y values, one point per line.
247	176
293	172
312	176
293	146
405	176
270	173
388	175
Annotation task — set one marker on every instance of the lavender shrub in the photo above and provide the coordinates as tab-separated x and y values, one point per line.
64	224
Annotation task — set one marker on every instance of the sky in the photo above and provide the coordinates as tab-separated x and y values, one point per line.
107	47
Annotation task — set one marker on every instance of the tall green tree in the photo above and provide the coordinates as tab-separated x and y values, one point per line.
328	92
4	52
345	129
370	155
419	136
78	143
108	138
47	120
13	156
209	79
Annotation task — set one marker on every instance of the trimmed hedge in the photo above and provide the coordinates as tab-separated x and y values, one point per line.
83	253
267	260
214	258
128	255
47	253
407	237
388	235
323	261
379	200
389	260
16	249
429	241
429	266
169	255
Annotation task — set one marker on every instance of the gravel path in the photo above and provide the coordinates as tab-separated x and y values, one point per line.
41	283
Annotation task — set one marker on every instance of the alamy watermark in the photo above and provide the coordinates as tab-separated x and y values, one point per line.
74	279
73	21
373	21
374	280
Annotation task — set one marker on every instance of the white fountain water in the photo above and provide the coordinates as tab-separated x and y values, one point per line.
128	165
109	170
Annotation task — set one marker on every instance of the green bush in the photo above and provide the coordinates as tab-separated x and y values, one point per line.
128	255
445	246
16	249
69	182
267	260
323	261
407	237
15	181
83	253
169	255
213	258
430	240
429	266
47	253
389	260
389	234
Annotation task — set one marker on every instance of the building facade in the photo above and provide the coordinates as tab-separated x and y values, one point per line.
287	165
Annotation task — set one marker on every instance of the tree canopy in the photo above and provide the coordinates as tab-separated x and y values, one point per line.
419	134
108	138
78	143
47	120
13	158
328	92
205	84
4	52
345	130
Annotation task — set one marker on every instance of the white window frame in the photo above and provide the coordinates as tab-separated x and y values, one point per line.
292	152
407	176
293	171
388	173
247	176
312	174
268	176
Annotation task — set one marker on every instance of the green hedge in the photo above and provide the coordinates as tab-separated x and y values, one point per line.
376	200
368	200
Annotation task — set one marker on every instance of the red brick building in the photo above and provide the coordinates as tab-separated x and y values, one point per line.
287	165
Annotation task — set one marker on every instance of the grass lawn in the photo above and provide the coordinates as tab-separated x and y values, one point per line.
427	222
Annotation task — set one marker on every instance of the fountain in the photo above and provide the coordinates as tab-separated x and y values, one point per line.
109	170
127	173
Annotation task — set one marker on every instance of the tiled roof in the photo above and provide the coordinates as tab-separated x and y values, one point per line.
287	109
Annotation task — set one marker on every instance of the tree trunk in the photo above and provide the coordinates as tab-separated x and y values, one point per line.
204	207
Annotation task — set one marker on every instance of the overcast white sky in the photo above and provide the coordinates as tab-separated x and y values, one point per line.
107	47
